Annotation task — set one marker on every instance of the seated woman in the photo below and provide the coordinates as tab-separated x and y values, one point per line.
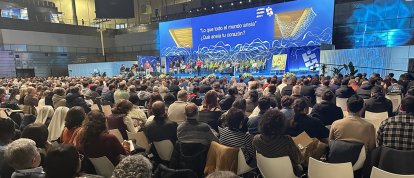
63	161
73	123
252	101
234	136
304	123
97	142
210	102
273	143
118	119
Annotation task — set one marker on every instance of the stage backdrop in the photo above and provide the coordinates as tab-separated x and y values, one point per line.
250	34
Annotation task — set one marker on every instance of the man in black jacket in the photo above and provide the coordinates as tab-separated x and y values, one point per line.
364	91
228	100
344	91
378	103
74	98
308	91
327	111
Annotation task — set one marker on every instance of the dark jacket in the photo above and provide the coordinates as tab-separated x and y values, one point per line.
309	92
73	99
327	112
344	92
109	98
378	104
320	90
287	90
312	126
364	91
169	130
391	160
227	102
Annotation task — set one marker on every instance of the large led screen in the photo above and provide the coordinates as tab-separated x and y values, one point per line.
253	33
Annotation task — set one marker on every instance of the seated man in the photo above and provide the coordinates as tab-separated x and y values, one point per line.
327	111
24	157
397	132
353	127
378	103
194	131
344	91
253	122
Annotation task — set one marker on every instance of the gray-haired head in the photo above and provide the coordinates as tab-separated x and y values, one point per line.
22	154
182	95
135	166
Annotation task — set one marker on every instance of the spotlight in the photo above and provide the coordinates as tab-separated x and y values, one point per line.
241	2
198	10
191	11
221	6
205	9
232	4
250	0
212	7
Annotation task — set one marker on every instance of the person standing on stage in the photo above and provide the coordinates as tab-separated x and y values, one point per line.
122	69
147	68
199	63
158	66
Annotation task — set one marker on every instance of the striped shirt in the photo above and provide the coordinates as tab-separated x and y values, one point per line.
239	140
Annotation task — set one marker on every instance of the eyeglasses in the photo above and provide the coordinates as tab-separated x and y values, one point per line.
81	156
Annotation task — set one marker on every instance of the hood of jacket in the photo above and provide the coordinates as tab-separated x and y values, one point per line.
57	98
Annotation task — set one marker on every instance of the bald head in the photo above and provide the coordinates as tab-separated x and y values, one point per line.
182	95
191	110
158	108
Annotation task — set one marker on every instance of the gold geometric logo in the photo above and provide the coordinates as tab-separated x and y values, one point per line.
183	37
293	24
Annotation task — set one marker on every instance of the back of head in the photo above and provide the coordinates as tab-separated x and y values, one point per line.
376	91
169	98
325	83
182	95
222	174
22	154
7	130
59	91
296	90
355	104
345	81
272	88
132	88
234	118
232	91
407	104
37	132
62	161
134	99
122	86
328	95
306	82
239	104
287	101
191	111
95	124
74	117
133	166
74	90
299	105
273	123
264	104
254	95
122	107
158	109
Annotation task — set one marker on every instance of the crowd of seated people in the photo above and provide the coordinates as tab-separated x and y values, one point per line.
258	115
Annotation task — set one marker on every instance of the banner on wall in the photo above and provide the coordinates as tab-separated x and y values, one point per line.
303	58
279	62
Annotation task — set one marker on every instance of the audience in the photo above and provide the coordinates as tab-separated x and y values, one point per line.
73	122
353	127
234	136
23	156
133	166
273	143
194	131
176	111
378	103
118	119
304	123
397	132
63	161
172	118
97	142
327	111
253	122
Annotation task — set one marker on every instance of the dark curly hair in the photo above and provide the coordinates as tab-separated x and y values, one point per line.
234	118
74	118
273	123
95	124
